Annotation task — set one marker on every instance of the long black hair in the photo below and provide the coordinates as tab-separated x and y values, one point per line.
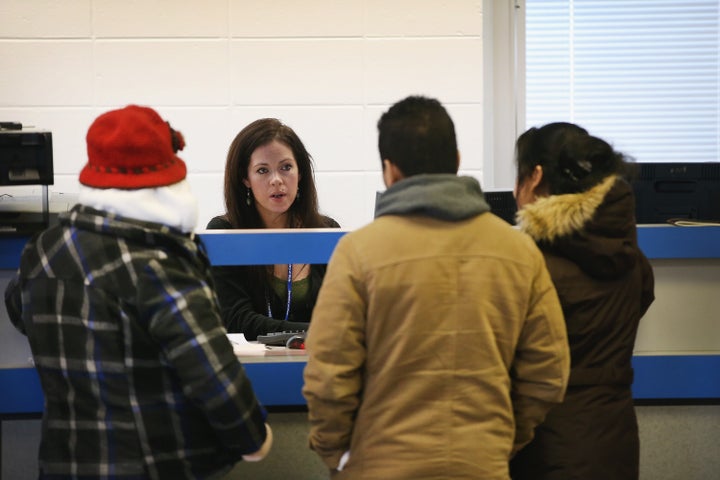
572	160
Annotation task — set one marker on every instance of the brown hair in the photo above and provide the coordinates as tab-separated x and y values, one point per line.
303	213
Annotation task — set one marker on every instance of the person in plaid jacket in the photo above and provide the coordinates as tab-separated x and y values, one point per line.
117	301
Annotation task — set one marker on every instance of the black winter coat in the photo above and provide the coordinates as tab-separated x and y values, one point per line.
605	285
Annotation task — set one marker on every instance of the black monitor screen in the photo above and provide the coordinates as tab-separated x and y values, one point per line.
665	191
502	203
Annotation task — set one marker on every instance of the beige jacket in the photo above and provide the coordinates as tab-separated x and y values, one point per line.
434	349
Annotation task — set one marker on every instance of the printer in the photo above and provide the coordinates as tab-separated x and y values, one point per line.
26	158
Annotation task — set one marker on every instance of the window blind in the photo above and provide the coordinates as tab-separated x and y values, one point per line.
641	74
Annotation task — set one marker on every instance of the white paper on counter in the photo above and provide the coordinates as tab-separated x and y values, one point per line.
242	347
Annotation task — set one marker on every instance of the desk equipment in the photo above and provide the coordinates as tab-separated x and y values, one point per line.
665	191
279	339
26	158
502	203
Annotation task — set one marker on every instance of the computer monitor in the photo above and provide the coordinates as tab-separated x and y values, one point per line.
665	191
502	203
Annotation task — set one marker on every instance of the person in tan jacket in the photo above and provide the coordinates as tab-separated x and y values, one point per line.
437	343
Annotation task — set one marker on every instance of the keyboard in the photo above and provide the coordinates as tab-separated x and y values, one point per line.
279	338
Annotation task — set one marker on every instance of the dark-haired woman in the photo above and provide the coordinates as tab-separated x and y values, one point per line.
575	202
269	183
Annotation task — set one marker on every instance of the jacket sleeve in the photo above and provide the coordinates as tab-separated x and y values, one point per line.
13	303
336	356
541	366
183	318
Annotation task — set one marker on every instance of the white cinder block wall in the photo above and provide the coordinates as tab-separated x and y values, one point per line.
327	68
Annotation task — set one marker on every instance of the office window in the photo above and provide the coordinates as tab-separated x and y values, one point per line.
642	74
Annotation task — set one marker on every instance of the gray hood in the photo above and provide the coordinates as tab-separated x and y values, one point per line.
443	196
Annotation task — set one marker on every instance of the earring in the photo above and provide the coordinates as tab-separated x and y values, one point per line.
248	198
297	195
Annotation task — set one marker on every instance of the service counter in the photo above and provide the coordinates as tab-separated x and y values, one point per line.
677	354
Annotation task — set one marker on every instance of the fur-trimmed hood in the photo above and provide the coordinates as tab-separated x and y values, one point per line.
595	229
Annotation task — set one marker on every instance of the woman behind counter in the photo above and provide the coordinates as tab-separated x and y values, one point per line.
269	183
579	209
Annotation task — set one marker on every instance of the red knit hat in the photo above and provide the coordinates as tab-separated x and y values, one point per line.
132	148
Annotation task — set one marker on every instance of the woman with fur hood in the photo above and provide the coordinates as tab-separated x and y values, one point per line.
574	201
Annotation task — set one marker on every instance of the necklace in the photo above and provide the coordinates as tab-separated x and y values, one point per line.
289	294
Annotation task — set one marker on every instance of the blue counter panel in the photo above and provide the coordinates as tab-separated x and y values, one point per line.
656	377
21	391
226	247
676	377
266	247
671	377
10	249
679	242
275	384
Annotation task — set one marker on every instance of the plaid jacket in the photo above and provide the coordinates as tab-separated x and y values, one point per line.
140	380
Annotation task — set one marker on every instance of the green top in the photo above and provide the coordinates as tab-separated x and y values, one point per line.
300	288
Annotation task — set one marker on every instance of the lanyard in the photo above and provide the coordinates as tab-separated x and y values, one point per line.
289	295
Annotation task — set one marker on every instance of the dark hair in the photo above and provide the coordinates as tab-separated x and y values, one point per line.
572	160
418	136
304	210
